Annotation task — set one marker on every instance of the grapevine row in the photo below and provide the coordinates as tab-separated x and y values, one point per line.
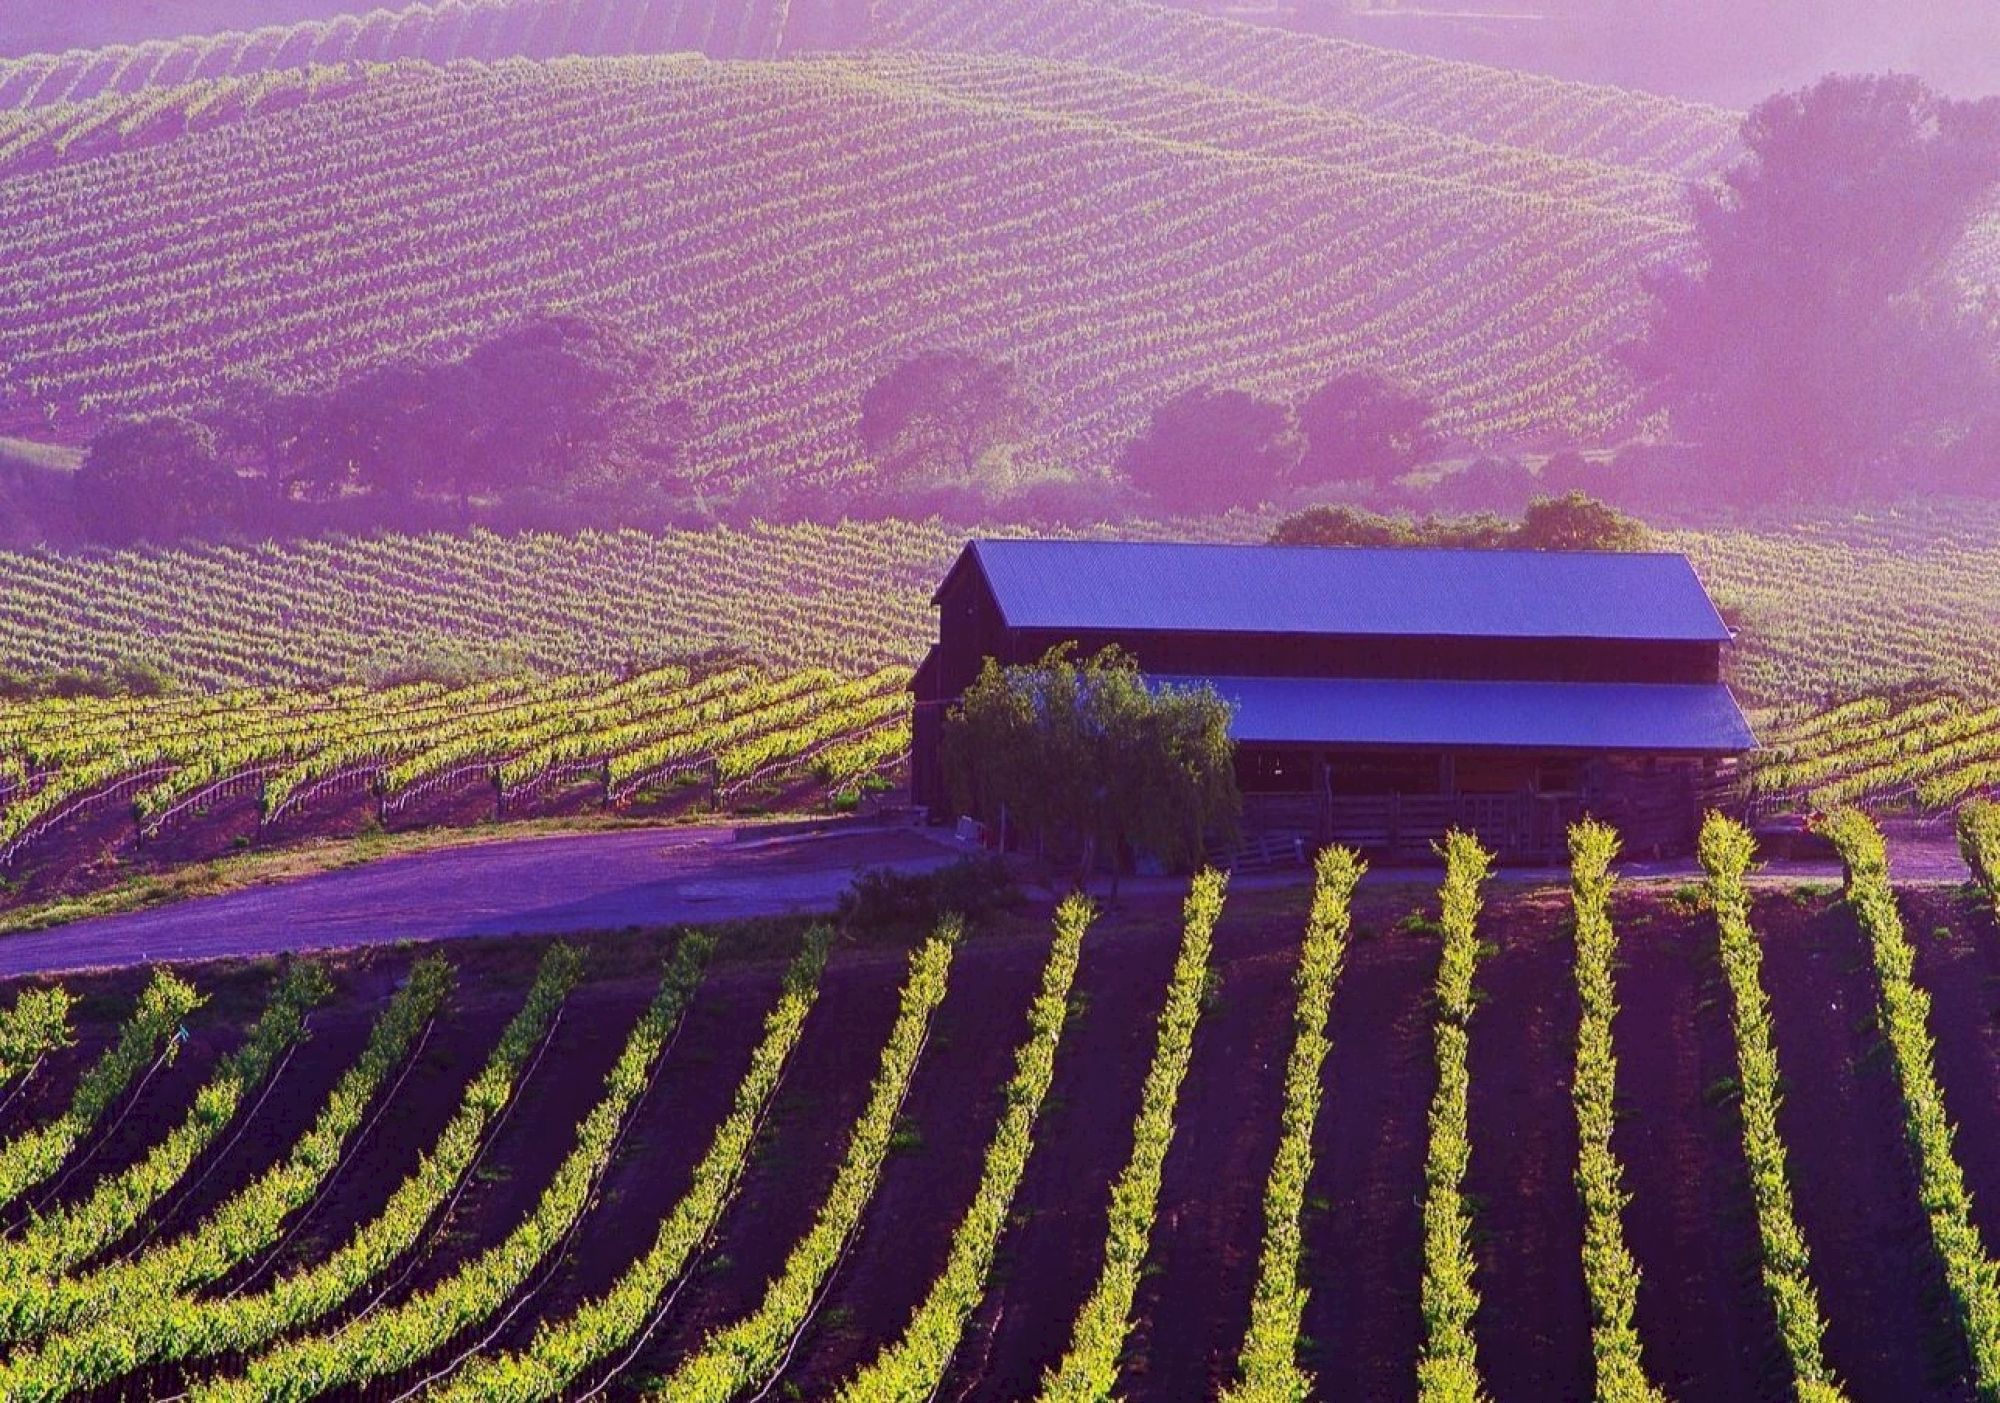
387	1341
751	1353
1727	852
1268	1367
1089	1368
255	1217
35	1026
1979	841
149	1037
1969	1270
912	1369
563	1351
72	1234
185	1328
1448	1367
1609	1273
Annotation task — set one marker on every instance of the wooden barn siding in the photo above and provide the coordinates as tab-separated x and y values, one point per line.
1457	659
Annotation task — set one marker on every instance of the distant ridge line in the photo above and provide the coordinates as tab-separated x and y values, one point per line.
1667	135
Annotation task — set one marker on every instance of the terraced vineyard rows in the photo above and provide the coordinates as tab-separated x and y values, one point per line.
1209	112
520	744
552	1297
1683	139
1824	611
315	613
443	32
1615	127
1831	608
1916	756
778	297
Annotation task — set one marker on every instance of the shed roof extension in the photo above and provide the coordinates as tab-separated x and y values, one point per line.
1635	717
1166	587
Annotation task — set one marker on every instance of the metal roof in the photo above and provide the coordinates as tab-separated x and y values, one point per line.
1144	586
1644	717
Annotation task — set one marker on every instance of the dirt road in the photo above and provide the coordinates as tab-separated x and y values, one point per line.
545	885
648	877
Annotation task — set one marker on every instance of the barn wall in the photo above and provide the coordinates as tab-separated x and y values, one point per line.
1520	803
1466	659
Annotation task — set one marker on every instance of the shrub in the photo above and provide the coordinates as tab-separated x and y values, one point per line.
885	900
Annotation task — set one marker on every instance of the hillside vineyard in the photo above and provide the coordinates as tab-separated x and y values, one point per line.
1621	127
672	1169
1837	609
1058	189
519	744
672	190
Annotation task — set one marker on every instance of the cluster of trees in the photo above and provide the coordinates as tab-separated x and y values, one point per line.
556	403
1569	522
1821	346
954	433
951	426
1210	448
1081	755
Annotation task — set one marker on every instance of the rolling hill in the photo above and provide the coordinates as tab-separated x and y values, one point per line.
1125	199
789	229
1571	119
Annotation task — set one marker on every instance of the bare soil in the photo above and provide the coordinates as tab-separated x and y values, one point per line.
274	1116
1889	1328
1363	1320
523	1157
1958	963
388	1151
153	1107
1194	1303
1533	1327
796	1157
929	1179
1051	1254
1705	1322
1705	1325
669	1134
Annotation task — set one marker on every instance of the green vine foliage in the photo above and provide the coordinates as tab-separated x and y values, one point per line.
35	1026
76	1232
1970	1273
1610	1275
185	1327
749	1353
1979	841
1727	853
1268	1367
148	1036
1448	1366
1089	1370
381	1343
255	1217
913	1368
563	1351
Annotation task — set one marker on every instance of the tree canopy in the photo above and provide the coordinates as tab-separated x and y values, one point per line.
948	417
155	479
1820	346
1569	522
1208	449
1086	757
1361	425
555	402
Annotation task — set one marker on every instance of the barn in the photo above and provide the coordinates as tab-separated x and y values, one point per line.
1384	696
